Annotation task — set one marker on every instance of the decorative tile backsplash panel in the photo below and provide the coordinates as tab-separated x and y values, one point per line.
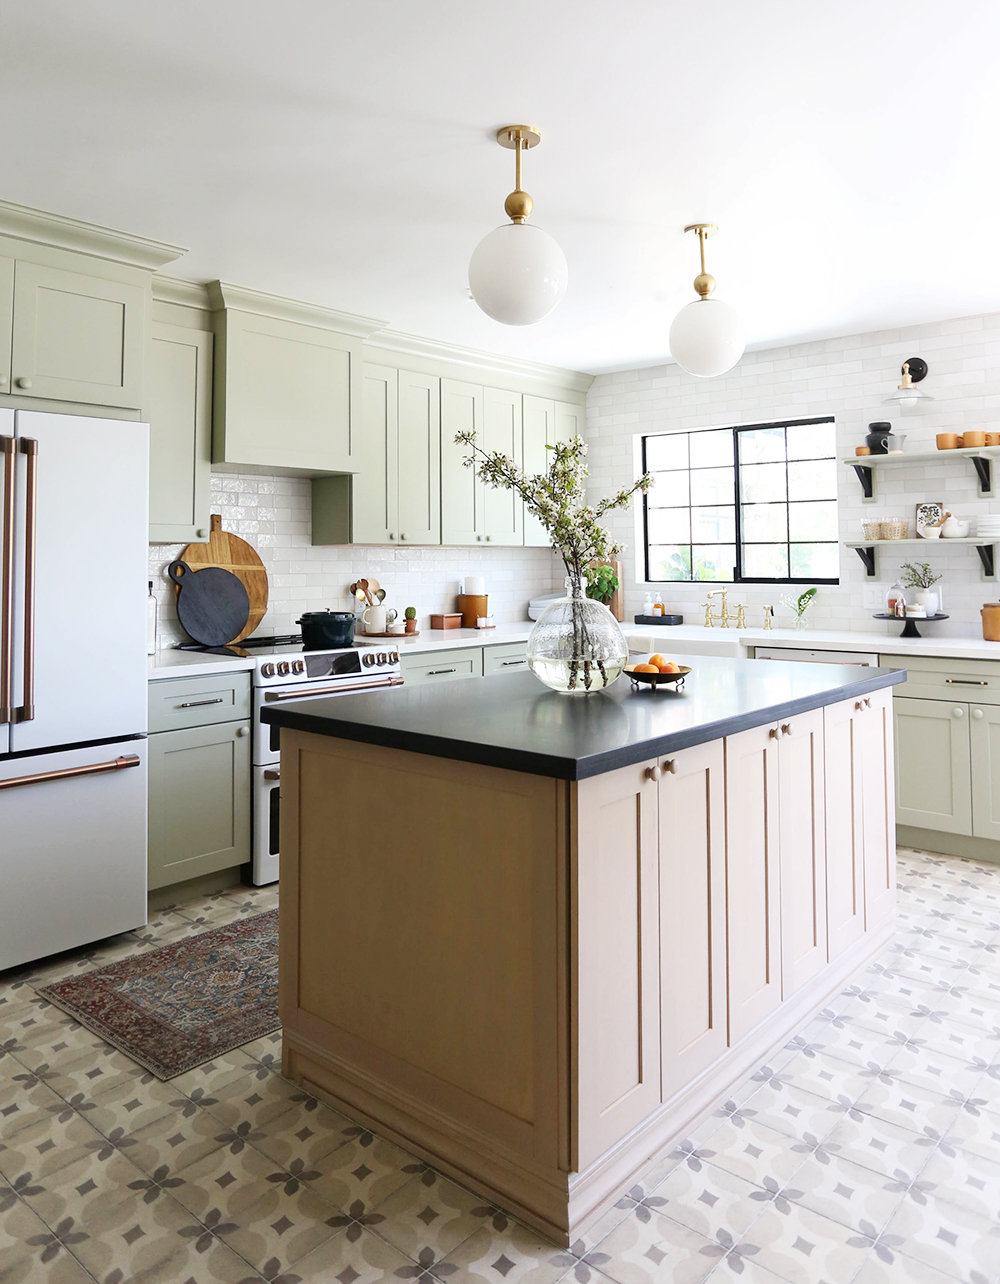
274	515
847	378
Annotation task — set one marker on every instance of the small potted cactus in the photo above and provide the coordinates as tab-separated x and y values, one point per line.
410	615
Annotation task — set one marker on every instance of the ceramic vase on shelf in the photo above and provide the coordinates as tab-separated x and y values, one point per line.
928	599
576	645
879	439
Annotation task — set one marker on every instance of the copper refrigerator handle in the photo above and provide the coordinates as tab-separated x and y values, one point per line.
25	712
68	773
9	447
272	697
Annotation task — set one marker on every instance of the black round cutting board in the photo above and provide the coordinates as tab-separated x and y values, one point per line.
212	604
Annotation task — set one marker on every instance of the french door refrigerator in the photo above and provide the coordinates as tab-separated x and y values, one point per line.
73	668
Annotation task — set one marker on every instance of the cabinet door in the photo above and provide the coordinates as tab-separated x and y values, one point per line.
199	801
845	851
179	409
933	765
984	728
752	906
290	395
445	666
503	510
419	472
77	338
462	518
879	807
374	500
618	1053
537	433
802	840
6	319
570	420
692	855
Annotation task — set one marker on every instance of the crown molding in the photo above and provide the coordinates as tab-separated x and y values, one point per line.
222	295
26	224
410	345
186	294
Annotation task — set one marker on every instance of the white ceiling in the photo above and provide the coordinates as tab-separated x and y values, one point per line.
342	153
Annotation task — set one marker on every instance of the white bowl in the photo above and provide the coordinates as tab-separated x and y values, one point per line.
930	532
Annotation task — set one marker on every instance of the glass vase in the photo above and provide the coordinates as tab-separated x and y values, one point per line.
576	646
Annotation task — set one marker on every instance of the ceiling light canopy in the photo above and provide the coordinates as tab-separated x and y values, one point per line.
517	273
706	338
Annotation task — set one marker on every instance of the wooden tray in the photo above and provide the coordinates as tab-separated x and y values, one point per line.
389	635
233	554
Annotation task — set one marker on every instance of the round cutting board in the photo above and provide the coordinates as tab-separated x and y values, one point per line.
231	553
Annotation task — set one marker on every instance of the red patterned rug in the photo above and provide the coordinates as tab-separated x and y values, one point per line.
177	1007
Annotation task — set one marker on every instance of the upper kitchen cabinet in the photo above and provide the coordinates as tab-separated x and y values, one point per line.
471	512
288	383
547	422
74	311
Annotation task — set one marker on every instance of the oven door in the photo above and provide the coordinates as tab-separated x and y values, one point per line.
266	819
267	739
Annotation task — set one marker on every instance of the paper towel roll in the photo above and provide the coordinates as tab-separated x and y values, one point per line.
475	585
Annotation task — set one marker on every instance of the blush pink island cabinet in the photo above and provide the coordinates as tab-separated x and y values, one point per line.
592	916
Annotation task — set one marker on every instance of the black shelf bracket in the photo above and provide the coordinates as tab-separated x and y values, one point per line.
987	557
865	478
984	467
867	556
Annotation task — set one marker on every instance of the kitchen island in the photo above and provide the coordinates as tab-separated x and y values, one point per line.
533	937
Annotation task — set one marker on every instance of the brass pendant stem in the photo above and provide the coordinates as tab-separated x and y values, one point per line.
701	246
517	161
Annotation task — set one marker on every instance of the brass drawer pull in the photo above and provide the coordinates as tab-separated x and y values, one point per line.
507	663
967	682
196	704
434	673
68	773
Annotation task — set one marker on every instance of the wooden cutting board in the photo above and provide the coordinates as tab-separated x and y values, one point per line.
233	554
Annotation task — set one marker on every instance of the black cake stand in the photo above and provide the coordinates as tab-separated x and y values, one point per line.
910	623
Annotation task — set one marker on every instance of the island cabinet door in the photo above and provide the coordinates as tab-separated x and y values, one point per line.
692	843
802	840
617	963
752	904
845	850
879	816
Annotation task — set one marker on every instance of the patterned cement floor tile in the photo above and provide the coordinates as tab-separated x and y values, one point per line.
792	1110
253	1100
310	1131
947	1237
735	1267
753	1151
516	1256
179	1139
805	1247
976	1135
365	1168
30	1253
882	1146
703	1201
358	1258
848	1193
431	1216
965	1179
652	1250
935	1071
893	1267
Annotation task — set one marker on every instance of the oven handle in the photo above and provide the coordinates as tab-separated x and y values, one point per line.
9	447
273	697
26	711
69	773
272	773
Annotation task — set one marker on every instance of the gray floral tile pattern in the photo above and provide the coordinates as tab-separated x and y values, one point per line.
866	1151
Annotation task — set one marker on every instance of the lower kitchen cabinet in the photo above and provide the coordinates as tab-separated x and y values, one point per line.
199	801
933	765
984	738
879	810
507	657
802	855
442	666
845	835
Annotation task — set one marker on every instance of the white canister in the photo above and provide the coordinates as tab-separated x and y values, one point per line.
475	586
373	618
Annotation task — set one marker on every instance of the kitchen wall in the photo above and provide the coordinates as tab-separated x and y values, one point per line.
274	515
847	378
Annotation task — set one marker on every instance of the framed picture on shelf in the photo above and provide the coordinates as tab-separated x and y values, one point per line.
929	513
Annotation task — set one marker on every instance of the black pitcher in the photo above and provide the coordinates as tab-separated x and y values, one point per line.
877	440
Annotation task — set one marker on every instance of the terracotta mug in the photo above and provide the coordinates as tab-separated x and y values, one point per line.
862	450
947	440
976	438
993	439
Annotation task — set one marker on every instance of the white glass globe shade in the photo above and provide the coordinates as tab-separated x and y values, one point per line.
707	338
517	274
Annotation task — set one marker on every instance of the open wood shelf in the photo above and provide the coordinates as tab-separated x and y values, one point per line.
981	457
867	550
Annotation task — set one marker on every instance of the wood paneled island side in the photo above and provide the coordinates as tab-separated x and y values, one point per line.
534	937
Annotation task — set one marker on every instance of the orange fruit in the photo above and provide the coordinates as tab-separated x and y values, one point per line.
645	668
658	661
670	667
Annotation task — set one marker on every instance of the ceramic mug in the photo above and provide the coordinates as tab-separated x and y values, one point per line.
398	628
993	439
373	618
947	440
976	438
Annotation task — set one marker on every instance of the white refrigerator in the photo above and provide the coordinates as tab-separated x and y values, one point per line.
73	671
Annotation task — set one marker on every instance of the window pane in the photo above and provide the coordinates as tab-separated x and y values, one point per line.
713	525
764	522
815	561
812	521
714	561
668	489
667	563
670	451
669	525
813	481
759	445
712	486
763	482
710	449
812	441
765	561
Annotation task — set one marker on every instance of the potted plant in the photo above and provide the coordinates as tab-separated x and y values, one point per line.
919	576
576	645
602	583
410	616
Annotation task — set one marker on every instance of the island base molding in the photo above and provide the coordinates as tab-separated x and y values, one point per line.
558	1204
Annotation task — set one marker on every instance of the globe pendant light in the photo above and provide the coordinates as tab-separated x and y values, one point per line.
706	338
517	273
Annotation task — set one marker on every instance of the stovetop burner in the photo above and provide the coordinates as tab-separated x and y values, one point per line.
268	642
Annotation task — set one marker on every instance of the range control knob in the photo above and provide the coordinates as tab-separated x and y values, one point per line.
299	666
368	658
283	668
267	670
381	657
393	657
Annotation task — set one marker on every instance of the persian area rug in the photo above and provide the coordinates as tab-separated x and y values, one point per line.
178	1006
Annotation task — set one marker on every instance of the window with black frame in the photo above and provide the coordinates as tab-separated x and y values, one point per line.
750	505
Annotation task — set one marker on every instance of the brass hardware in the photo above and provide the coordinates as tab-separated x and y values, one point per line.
858	707
435	673
9	446
704	284
868	703
967	682
504	664
69	773
26	711
272	773
519	138
653	773
741	615
275	697
786	728
768	617
723	617
196	704
773	733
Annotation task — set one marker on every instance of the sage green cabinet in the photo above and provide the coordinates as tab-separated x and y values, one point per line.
179	408
463	520
503	510
199	801
442	666
6	319
984	742
546	423
933	765
76	337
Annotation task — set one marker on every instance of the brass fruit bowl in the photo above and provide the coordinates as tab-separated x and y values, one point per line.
657	679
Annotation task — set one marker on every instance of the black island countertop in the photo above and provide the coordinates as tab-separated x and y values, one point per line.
517	723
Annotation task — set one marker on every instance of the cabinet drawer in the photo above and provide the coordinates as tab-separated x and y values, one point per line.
198	702
464	663
929	678
510	658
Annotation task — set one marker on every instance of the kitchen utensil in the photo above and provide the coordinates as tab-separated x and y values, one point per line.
991	621
472	606
363	586
327	630
380	596
657	679
947	440
212	604
373	618
230	553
